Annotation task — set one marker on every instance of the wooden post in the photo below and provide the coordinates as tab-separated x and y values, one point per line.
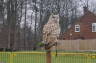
48	56
48	47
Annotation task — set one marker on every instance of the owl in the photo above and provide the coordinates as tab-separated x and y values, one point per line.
51	29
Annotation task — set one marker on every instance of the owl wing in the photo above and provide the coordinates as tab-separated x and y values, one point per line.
48	28
56	29
47	31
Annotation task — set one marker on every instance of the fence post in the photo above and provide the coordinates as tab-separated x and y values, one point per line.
11	57
48	47
48	56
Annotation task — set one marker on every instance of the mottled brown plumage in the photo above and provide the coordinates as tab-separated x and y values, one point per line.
51	30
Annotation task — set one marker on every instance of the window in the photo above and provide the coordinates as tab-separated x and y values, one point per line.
93	27
77	28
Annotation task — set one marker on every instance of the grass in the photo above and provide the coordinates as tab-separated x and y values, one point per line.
40	57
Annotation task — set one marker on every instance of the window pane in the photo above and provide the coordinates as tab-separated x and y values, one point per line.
93	27
77	28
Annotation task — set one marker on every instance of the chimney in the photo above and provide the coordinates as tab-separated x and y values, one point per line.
85	9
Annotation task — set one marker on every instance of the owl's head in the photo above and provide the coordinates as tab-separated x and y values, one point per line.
54	18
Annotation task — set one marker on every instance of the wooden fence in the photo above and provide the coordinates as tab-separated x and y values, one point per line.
77	44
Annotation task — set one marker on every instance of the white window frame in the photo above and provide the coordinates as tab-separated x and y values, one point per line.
77	27
93	25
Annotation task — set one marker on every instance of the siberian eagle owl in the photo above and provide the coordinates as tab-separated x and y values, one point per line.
51	29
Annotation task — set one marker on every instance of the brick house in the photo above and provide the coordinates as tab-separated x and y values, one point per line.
83	28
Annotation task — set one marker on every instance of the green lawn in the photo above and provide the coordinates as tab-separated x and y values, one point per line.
41	58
